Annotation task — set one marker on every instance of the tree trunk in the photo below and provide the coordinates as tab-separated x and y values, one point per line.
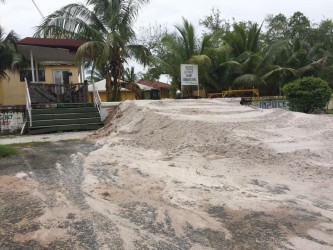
116	72
108	87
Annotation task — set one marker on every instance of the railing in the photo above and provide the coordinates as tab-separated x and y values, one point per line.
58	93
97	98
28	101
239	92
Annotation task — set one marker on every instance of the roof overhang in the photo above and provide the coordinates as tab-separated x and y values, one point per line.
45	54
49	49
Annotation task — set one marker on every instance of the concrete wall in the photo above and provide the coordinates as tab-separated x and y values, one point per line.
330	104
274	102
124	95
11	119
266	102
107	108
12	91
282	104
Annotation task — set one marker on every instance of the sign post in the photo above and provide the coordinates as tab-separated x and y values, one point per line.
189	75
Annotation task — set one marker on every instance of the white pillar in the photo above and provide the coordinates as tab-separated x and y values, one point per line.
82	72
32	66
37	75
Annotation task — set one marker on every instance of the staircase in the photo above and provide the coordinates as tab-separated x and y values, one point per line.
64	117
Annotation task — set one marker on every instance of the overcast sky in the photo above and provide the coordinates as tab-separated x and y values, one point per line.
22	16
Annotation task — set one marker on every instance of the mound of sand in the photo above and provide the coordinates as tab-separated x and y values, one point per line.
252	177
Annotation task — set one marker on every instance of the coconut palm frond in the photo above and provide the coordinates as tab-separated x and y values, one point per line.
248	81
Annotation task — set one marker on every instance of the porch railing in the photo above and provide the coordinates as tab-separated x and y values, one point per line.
97	98
58	93
28	101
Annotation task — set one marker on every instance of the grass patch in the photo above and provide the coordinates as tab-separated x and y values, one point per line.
7	150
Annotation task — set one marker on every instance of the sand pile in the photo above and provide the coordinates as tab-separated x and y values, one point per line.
213	164
224	128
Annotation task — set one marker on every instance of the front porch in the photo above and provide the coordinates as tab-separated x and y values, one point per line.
60	107
45	93
56	103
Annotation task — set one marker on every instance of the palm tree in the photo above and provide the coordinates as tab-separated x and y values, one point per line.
94	76
236	60
180	48
130	75
107	26
9	57
244	38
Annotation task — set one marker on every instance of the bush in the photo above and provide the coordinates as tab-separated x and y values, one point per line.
7	151
307	94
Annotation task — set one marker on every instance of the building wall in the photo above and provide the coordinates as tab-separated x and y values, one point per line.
124	95
330	103
12	91
11	119
71	68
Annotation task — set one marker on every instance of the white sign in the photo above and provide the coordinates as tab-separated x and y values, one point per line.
189	74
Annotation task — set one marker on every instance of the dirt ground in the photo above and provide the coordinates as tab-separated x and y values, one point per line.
176	174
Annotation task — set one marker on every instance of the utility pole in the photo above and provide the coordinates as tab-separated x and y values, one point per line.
38	9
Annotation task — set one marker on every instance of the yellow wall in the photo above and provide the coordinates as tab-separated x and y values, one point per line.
124	95
12	91
71	68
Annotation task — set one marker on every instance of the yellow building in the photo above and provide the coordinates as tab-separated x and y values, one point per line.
13	90
125	94
53	59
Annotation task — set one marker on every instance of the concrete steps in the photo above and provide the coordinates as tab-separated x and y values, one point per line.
65	117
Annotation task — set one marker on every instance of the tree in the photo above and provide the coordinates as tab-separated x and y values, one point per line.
107	26
244	38
299	26
151	37
180	48
94	76
277	28
9	56
214	22
130	75
324	34
307	94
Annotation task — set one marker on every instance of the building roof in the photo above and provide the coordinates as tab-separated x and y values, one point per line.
69	44
155	84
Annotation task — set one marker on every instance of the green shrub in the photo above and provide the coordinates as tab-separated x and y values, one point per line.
307	94
7	151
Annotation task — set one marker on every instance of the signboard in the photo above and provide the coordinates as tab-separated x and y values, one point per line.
189	74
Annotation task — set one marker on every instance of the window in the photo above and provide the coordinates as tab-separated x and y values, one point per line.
27	74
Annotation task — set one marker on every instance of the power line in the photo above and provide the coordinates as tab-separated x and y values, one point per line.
38	9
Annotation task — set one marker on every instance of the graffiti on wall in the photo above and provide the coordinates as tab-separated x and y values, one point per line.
282	104
266	102
6	119
11	121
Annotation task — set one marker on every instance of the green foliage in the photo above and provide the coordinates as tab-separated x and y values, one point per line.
307	94
107	26
9	56
214	22
130	75
7	151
